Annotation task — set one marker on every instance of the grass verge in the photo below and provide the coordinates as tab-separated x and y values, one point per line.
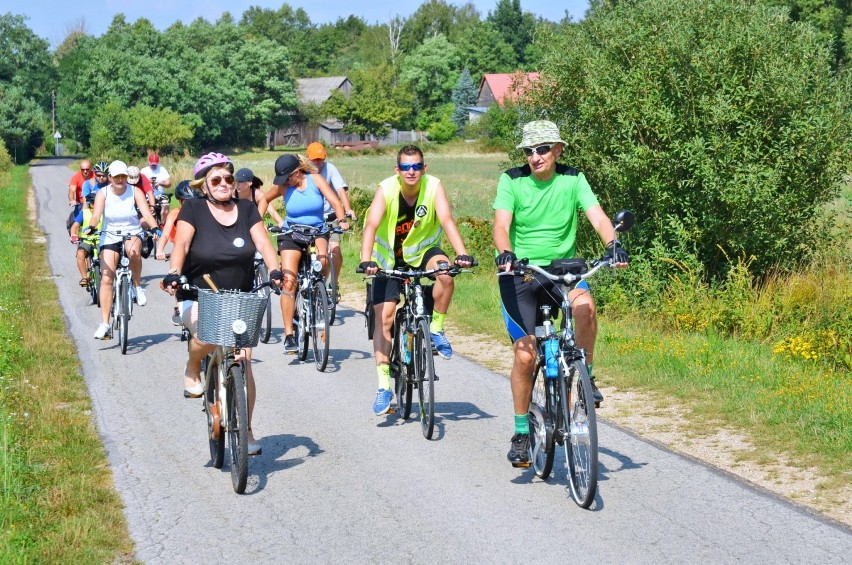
58	500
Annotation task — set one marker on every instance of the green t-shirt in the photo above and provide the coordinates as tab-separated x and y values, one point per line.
544	214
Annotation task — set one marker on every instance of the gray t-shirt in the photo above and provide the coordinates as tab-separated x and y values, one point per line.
332	176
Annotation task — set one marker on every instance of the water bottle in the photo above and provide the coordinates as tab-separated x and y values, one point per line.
551	358
406	347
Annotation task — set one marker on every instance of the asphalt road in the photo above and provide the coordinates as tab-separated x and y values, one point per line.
336	484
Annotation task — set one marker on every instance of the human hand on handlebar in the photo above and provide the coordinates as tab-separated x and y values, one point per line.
464	261
618	255
368	267
276	276
505	260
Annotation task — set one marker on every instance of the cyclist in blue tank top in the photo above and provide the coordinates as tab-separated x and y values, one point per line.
303	189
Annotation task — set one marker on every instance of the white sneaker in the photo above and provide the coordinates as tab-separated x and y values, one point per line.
141	300
102	331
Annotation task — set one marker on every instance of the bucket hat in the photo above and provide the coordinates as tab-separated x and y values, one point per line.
538	132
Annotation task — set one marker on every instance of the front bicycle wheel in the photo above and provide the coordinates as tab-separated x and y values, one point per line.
424	367
237	415
213	409
304	323
320	331
580	432
123	312
541	424
94	282
261	276
331	287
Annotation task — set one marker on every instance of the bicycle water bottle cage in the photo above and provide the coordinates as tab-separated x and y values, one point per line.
562	267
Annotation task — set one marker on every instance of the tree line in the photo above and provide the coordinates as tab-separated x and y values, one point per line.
724	124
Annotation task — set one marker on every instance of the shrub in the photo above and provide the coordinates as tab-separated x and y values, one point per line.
5	158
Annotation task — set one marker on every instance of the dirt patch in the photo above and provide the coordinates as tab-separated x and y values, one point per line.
657	418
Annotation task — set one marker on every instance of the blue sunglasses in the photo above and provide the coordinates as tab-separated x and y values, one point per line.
405	167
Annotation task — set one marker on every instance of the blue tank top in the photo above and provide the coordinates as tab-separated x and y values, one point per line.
304	207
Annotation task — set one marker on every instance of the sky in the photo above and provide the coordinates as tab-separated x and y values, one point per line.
52	19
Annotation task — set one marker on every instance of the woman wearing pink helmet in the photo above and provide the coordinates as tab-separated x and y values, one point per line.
229	232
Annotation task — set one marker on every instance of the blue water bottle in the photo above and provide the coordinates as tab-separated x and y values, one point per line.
551	358
405	348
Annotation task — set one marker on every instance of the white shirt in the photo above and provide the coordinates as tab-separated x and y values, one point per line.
159	173
333	177
119	214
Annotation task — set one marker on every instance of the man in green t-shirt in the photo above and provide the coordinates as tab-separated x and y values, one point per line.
535	217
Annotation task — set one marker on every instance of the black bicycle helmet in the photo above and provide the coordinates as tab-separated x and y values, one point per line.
185	192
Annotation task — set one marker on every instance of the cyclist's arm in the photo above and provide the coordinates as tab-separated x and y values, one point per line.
500	233
161	243
262	243
374	218
602	224
344	199
165	181
141	204
268	197
276	217
445	216
183	238
72	195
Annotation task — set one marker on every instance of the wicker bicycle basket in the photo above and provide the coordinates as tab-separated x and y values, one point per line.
218	311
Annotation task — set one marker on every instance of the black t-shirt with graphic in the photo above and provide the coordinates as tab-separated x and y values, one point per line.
404	223
226	253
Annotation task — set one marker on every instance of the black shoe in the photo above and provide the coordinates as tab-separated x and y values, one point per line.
519	455
596	394
290	345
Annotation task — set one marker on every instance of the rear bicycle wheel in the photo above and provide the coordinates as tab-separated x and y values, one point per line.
94	282
331	290
237	426
541	422
580	432
213	409
320	325
403	386
262	276
424	371
123	312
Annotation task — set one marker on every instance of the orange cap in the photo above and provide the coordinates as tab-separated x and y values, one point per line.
316	150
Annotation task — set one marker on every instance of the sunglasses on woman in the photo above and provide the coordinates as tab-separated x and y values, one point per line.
405	167
216	181
541	150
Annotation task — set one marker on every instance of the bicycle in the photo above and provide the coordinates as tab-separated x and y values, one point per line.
230	320
562	410
312	316
411	362
93	271
122	303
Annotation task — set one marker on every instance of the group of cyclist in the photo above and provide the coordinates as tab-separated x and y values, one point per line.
219	228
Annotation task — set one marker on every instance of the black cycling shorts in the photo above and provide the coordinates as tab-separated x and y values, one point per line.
286	242
388	290
520	301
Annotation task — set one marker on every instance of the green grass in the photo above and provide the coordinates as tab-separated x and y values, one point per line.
58	500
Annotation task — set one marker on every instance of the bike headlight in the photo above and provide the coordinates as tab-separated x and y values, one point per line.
316	266
125	261
239	327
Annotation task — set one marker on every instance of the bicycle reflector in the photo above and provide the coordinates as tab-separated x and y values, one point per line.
316	266
239	327
125	261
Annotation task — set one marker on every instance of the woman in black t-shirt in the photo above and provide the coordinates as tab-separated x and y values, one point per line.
217	235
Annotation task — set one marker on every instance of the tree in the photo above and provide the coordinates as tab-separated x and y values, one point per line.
432	71
464	95
25	61
156	129
721	124
22	123
436	17
483	50
514	26
377	102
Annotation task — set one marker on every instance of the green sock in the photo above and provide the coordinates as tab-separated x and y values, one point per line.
383	372
522	424
589	369
437	324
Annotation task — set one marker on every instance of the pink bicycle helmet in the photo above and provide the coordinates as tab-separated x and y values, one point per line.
206	162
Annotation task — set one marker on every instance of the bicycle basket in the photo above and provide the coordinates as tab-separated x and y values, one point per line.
217	312
562	267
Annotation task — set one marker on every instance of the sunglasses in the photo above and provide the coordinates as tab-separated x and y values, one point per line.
85	170
100	174
216	181
405	167
541	150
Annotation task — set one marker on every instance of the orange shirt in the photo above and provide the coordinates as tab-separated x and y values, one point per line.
77	180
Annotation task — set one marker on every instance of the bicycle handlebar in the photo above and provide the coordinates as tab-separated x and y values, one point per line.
521	268
278	231
270	284
450	269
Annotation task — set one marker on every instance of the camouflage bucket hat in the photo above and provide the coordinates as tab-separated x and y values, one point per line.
538	132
